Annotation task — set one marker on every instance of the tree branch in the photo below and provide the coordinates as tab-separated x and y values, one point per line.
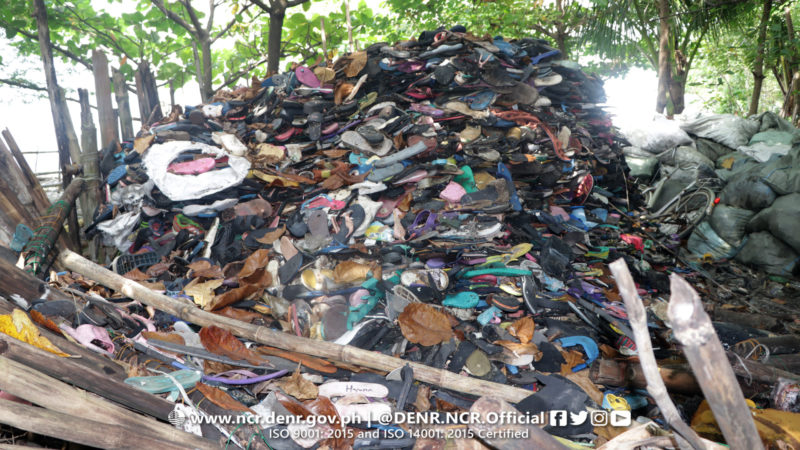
193	16
61	50
109	38
293	3
34	87
230	79
173	17
230	24
262	5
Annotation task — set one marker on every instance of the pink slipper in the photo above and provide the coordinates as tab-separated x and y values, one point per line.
453	192
88	334
195	167
307	77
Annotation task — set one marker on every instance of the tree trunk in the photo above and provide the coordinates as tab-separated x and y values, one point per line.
758	64
679	72
664	70
276	17
208	74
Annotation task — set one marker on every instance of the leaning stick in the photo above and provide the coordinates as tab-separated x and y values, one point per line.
263	335
655	384
693	329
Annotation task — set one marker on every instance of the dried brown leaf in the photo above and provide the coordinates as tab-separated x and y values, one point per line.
202	293
423	324
357	62
522	329
300	388
222	342
272	236
136	275
572	358
220	398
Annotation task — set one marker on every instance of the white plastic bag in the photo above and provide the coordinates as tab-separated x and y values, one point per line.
192	187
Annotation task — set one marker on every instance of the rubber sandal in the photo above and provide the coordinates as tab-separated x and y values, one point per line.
159	384
22	235
505	302
289	270
464	300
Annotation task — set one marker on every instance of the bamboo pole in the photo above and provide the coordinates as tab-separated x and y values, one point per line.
267	336
89	158
693	329
77	429
655	385
40	389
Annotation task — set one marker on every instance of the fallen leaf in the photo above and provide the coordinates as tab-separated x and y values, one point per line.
423	324
202	293
136	275
204	269
19	326
423	402
300	388
212	367
142	143
157	269
220	398
254	266
232	296
350	272
323	407
357	62
341	92
581	378
241	314
294	407
163	336
222	342
522	329
45	322
572	358
518	348
272	236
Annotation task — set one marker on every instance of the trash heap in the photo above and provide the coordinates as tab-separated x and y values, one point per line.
752	164
448	204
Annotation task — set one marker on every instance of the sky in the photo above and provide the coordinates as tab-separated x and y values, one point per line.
631	101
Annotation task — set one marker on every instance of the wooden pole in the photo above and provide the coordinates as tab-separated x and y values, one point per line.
147	92
40	389
127	132
50	225
77	429
105	111
267	336
693	329
637	316
39	196
89	158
